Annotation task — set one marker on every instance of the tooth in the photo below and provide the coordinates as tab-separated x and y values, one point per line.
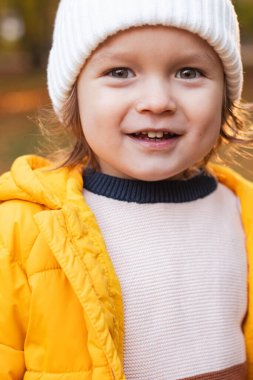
159	135
151	135
144	133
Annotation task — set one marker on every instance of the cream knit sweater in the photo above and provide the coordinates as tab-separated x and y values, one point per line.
182	269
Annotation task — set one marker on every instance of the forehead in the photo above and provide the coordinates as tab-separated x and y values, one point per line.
158	40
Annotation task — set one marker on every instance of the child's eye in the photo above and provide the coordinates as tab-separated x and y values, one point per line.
189	73
121	73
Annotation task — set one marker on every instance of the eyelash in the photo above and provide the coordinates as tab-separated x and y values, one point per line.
124	69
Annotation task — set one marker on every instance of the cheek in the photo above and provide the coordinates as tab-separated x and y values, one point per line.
208	112
101	107
208	137
206	125
209	128
90	109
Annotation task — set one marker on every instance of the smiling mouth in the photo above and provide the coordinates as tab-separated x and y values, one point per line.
154	135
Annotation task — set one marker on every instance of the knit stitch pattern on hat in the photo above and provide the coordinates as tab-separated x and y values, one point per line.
81	25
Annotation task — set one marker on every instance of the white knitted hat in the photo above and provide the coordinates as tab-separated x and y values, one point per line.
81	25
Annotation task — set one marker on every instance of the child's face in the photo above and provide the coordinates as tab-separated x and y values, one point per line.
151	79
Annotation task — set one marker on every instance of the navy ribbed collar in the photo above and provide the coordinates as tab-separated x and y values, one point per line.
169	191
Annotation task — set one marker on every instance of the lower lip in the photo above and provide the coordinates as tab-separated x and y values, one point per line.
155	144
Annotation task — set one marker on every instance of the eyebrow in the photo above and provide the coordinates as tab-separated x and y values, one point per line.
101	56
201	57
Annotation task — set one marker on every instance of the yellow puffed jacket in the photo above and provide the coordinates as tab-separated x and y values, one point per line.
61	309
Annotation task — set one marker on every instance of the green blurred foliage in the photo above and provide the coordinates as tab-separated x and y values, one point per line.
38	17
244	9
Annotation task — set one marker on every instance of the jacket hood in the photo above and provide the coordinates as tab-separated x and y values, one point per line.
30	179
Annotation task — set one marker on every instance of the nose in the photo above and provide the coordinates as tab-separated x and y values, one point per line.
156	96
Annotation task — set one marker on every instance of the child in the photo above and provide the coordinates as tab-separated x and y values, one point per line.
148	89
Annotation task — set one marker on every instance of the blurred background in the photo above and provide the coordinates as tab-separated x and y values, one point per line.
25	38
